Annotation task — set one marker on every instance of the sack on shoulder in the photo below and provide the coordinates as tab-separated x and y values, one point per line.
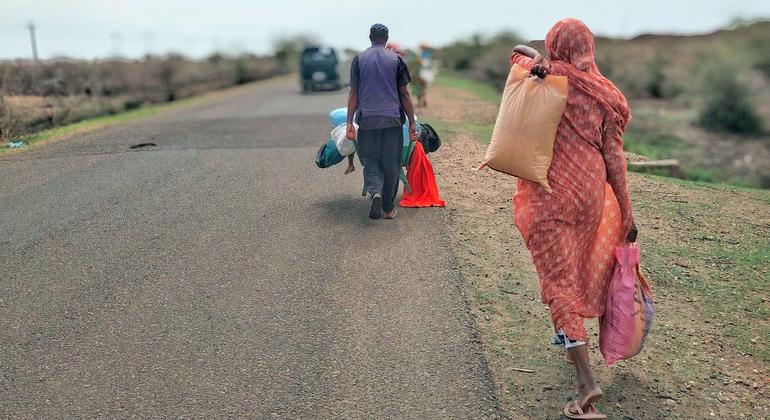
530	112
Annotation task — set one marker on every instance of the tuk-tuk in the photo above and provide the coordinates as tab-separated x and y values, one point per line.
319	69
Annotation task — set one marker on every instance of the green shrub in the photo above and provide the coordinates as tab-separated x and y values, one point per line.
655	76
701	175
481	59
761	54
763	65
461	54
606	64
288	48
651	144
727	104
764	182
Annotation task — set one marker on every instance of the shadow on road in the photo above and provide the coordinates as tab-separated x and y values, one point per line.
342	211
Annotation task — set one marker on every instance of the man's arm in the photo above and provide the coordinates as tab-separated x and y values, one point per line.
352	98
406	103
352	105
402	79
525	50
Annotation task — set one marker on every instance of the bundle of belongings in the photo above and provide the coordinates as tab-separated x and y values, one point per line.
420	189
329	155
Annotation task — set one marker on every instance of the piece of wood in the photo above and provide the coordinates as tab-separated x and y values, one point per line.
665	163
523	370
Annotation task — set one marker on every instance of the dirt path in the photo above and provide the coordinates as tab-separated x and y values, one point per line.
705	248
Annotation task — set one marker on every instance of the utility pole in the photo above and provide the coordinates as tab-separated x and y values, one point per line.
33	40
148	39
116	40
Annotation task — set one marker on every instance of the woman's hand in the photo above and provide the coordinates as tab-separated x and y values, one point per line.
633	233
541	66
351	132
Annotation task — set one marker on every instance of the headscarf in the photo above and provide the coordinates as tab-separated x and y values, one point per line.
396	48
570	45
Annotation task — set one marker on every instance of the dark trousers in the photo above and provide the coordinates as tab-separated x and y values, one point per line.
380	153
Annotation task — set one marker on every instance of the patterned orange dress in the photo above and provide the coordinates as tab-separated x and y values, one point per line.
572	231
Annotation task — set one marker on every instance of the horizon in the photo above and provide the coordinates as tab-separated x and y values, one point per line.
126	30
727	27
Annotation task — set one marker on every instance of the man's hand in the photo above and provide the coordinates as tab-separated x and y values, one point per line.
413	132
541	66
351	131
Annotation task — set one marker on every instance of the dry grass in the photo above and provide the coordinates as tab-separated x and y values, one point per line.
38	96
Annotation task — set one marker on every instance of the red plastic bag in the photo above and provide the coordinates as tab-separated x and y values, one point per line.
628	316
420	176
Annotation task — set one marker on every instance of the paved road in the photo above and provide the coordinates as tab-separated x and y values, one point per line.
222	274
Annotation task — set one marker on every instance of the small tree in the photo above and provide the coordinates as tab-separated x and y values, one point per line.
761	53
655	76
287	49
727	104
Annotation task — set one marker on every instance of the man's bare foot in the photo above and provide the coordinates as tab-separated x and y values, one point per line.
350	169
390	214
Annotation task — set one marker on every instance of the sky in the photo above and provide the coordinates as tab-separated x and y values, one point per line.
131	28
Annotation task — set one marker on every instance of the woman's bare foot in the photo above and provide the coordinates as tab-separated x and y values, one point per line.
587	396
588	390
573	411
390	214
350	169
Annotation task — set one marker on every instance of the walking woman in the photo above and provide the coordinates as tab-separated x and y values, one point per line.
571	232
419	85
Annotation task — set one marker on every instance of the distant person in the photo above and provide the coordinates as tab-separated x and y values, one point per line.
419	85
378	101
569	233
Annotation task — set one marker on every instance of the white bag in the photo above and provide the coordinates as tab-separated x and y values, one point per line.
345	146
428	74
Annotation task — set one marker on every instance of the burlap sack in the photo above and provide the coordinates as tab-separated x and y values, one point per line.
530	111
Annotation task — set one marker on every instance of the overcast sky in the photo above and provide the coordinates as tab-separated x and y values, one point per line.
98	28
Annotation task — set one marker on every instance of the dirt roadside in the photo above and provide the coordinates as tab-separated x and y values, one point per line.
704	247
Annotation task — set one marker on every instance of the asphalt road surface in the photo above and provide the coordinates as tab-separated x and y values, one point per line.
221	273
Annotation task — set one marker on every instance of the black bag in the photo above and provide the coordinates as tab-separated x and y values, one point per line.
429	138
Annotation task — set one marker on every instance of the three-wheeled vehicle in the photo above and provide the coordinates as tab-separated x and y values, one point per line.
319	69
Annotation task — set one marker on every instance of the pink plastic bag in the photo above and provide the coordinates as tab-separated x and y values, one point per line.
628	316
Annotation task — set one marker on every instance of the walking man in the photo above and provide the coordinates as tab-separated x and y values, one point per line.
378	101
